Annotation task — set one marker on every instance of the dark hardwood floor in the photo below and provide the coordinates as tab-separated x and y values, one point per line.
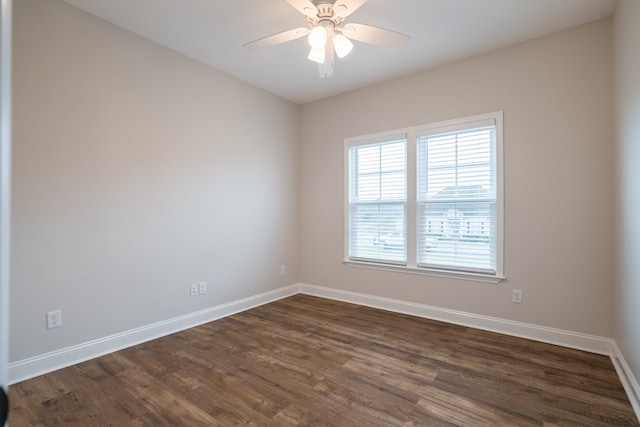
307	361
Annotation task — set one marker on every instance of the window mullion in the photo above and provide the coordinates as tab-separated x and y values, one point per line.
411	204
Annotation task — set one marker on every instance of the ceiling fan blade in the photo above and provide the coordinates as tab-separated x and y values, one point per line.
374	35
277	38
344	8
305	7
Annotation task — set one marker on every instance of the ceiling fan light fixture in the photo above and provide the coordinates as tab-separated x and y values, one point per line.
342	45
328	34
318	37
317	55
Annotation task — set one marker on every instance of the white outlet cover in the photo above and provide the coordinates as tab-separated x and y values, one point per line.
54	319
516	296
203	288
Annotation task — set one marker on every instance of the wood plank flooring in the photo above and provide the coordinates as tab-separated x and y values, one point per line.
307	361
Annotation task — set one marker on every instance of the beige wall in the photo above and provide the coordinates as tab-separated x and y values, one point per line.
137	172
556	94
627	44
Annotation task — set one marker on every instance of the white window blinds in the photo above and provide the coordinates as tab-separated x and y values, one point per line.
457	197
428	199
377	193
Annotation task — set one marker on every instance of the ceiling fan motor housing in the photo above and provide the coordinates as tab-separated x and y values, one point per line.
325	17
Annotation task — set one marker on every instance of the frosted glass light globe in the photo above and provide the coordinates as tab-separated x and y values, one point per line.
342	45
318	37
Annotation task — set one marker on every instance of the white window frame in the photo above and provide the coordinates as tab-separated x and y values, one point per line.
374	140
412	133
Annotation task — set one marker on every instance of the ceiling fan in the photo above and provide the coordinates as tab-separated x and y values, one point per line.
328	34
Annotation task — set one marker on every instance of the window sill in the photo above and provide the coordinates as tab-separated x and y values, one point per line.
476	277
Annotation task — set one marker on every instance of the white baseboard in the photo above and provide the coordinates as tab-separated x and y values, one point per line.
591	343
48	362
627	379
32	367
580	341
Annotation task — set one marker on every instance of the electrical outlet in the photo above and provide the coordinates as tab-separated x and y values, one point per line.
516	296
54	319
203	288
194	289
283	270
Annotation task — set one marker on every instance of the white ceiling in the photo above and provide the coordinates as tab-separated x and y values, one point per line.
213	32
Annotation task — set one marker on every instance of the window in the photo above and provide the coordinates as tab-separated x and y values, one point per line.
428	199
378	200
